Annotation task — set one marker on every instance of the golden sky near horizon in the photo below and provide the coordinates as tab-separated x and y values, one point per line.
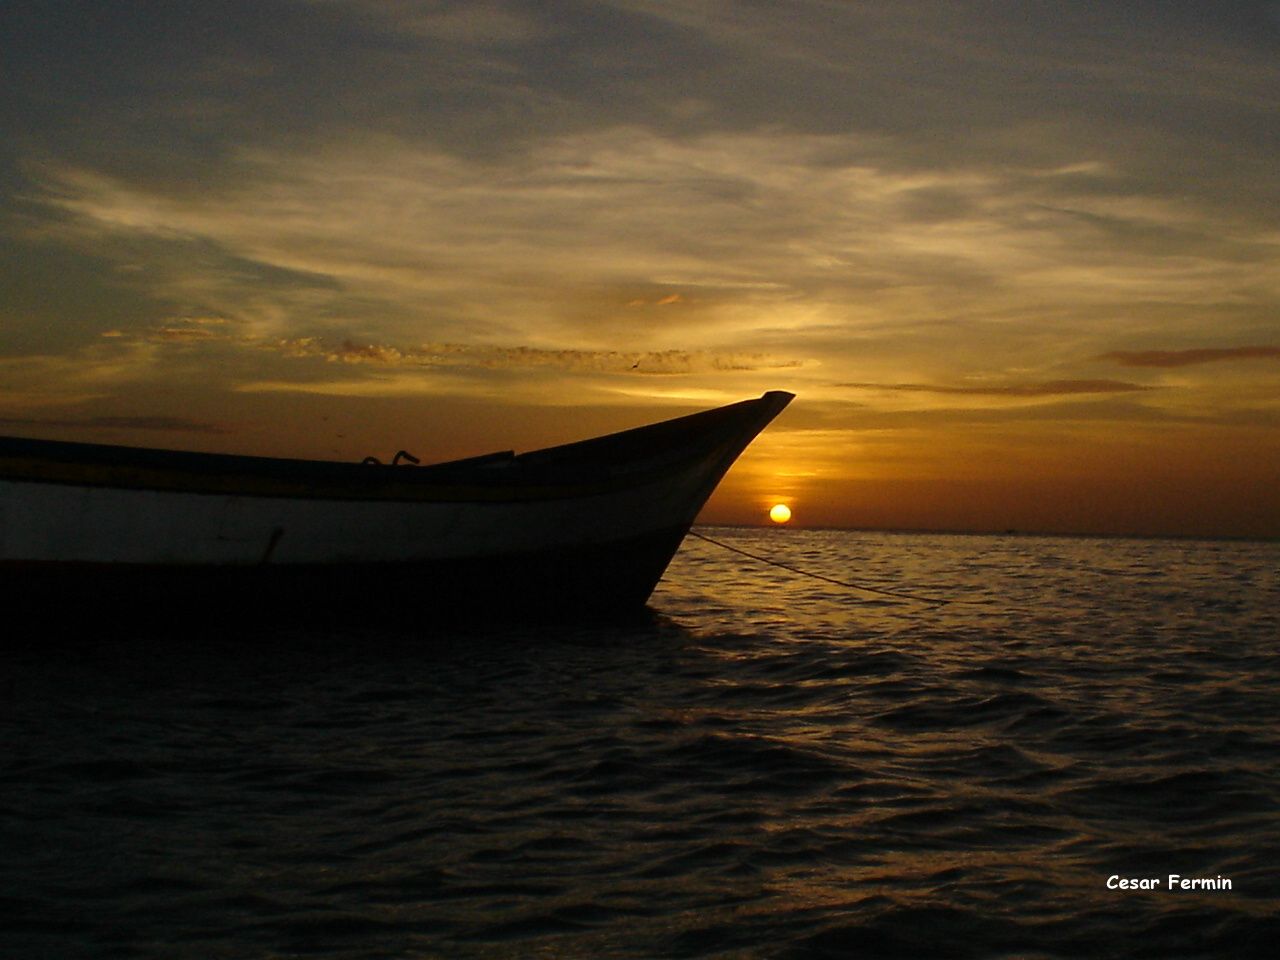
1020	262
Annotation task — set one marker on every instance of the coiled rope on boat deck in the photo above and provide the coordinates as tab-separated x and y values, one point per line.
897	595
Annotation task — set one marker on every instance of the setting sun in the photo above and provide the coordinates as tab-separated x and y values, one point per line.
779	513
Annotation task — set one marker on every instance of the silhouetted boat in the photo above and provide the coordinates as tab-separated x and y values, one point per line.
582	528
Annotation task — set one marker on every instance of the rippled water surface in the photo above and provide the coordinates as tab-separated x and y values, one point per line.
768	766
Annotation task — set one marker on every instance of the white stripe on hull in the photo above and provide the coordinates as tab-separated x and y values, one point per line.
46	522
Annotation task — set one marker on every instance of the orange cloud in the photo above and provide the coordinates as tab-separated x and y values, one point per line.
522	357
1051	388
1187	358
178	424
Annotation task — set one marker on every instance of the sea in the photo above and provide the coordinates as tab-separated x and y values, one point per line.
894	745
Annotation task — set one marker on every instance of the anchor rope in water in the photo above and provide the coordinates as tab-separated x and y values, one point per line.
936	601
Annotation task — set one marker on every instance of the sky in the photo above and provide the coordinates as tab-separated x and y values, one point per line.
1019	261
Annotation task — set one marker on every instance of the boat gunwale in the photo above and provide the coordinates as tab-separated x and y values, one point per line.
596	466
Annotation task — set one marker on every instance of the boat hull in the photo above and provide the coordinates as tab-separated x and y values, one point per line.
567	582
584	528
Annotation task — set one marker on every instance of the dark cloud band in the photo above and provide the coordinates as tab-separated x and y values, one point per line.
1188	358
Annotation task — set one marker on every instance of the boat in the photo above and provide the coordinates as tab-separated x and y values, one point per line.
579	529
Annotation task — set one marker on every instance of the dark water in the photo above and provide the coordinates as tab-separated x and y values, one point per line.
770	766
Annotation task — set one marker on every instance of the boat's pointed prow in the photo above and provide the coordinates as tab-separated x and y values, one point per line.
773	402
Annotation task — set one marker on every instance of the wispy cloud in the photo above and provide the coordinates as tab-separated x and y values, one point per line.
188	330
1190	357
522	357
94	372
149	423
1051	388
474	22
729	233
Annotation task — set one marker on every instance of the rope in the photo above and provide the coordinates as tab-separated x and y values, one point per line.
936	601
